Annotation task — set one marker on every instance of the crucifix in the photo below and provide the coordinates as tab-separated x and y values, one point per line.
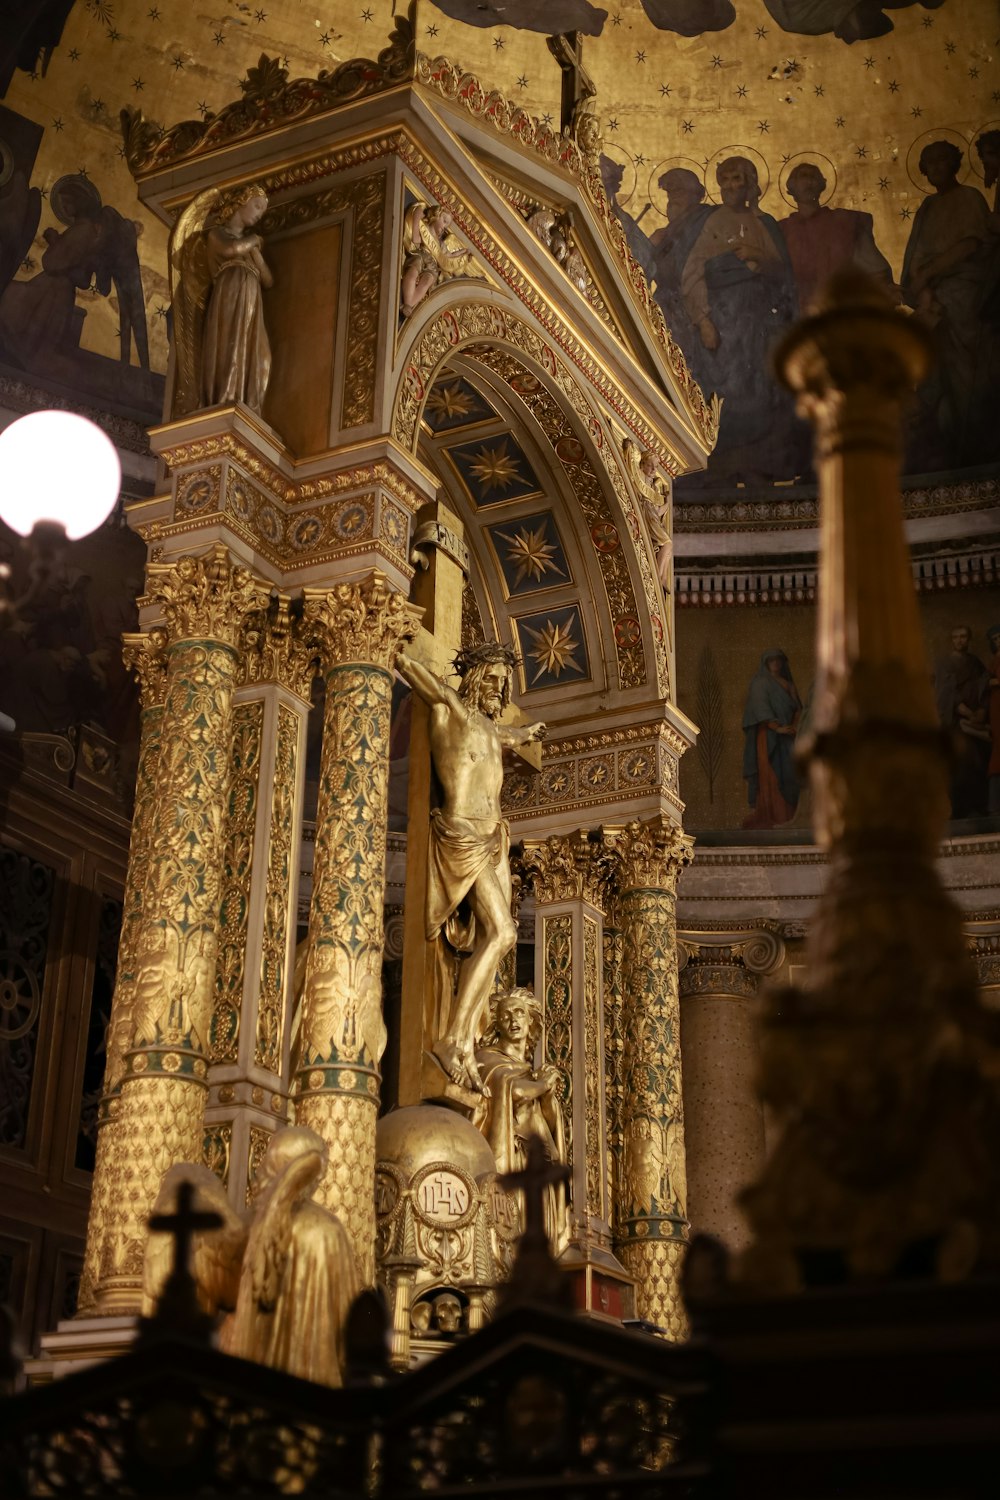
577	85
177	1309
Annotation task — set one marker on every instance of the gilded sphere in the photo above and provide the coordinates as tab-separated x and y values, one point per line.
422	1134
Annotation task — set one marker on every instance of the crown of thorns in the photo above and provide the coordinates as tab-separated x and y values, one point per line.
477	656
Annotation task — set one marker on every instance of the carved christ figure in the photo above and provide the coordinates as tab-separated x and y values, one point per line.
469	883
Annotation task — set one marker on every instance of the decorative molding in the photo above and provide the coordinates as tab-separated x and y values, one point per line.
785	512
719	587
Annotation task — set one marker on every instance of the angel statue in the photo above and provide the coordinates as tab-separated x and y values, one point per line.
655	506
217	274
428	257
282	1274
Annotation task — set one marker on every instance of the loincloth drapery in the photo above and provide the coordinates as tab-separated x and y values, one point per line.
459	852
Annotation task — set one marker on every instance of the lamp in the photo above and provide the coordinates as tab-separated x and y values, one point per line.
57	470
59	479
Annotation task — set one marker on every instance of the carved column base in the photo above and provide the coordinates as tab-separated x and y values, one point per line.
345	1120
159	1122
655	1264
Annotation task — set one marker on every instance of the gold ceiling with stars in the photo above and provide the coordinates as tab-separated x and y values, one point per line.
754	84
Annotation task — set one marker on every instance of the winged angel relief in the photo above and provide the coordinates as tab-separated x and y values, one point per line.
431	254
218	273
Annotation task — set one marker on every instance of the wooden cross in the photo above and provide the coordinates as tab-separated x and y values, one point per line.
178	1301
577	85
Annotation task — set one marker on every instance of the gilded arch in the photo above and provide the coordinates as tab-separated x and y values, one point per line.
497	337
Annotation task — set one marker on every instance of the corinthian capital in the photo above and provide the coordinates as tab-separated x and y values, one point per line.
364	622
144	653
276	648
651	855
570	867
205	597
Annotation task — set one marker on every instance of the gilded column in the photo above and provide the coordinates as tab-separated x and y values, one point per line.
651	1209
569	877
358	628
145	656
248	1037
720	973
161	1106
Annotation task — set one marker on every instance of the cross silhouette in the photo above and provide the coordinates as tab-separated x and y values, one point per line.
177	1306
533	1178
577	85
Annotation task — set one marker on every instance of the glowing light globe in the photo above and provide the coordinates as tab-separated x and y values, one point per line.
60	468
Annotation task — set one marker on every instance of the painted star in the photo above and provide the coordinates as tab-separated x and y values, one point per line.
324	39
973	72
138	85
203	106
219	38
450	401
666	90
861	152
640	57
927	21
113	35
893	86
949	47
760	33
178	63
496	468
819	91
869	62
74	54
716	61
546	119
883	183
554	648
763	127
532	555
639	159
522	82
839	122
741	91
366	15
916	111
97	105
499	43
57	124
432	31
153	13
616	20
904	213
259	16
612	124
688	127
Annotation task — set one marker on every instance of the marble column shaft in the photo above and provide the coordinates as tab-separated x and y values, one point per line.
161	1105
650	1211
248	1040
358	629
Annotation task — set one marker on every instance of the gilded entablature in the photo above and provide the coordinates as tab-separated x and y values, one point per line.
596	770
292	523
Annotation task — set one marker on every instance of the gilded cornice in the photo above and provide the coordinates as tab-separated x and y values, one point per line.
790	514
364	623
292	491
205	597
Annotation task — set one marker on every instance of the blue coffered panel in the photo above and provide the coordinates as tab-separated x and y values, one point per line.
493	469
454	403
530	554
552	647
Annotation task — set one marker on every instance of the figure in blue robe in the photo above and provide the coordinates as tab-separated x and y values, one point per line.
770	721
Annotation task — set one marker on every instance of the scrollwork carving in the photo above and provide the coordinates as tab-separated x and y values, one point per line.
205	597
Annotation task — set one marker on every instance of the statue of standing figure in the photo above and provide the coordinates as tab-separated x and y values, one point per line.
469	880
218	273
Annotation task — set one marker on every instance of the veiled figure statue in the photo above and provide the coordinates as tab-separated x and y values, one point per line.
283	1273
218	271
520	1100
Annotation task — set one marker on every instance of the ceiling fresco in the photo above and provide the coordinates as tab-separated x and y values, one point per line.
854	88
